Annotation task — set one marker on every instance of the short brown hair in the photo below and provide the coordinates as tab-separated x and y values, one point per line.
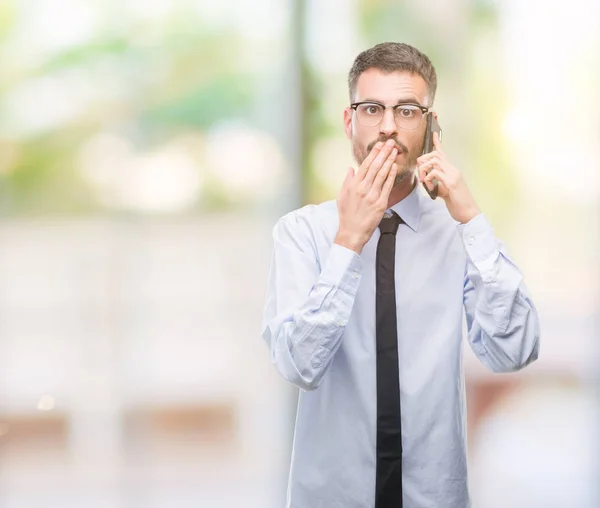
390	57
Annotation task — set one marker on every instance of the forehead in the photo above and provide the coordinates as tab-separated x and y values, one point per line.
389	88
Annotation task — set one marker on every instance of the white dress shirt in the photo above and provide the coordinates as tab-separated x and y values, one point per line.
319	323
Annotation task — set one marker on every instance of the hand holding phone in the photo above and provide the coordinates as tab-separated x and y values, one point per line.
431	127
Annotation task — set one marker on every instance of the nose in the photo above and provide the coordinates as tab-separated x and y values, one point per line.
388	127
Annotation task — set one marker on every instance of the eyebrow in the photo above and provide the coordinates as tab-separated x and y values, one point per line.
406	100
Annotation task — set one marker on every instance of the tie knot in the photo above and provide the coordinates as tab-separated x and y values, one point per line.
389	223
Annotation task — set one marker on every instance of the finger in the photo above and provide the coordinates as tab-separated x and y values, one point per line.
380	159
383	172
389	183
348	178
433	175
379	162
364	167
428	166
428	156
437	143
422	170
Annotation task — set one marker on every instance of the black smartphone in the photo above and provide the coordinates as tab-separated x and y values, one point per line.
431	127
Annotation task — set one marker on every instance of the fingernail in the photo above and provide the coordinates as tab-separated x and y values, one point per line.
390	142
379	144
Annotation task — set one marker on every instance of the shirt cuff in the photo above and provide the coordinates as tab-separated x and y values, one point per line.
343	269
479	241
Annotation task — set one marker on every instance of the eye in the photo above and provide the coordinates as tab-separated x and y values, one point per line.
406	112
372	109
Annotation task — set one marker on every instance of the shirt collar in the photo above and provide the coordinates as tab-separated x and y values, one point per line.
409	209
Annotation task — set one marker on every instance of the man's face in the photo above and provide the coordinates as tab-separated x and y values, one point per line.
388	89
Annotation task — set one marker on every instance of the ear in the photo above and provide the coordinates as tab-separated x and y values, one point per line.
435	115
348	122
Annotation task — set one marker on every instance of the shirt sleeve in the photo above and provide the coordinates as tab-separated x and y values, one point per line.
502	321
307	305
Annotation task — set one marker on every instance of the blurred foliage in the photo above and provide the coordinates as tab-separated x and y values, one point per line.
225	96
45	178
166	76
317	126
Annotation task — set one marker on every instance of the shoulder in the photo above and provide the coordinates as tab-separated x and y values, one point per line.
309	218
308	229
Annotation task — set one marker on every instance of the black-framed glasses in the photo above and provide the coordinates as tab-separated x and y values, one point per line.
408	116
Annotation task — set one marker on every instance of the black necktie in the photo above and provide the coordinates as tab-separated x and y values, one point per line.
388	486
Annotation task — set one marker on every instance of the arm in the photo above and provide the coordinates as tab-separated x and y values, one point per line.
307	306
502	322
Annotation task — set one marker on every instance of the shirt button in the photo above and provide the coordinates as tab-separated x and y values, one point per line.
471	240
355	274
488	278
341	322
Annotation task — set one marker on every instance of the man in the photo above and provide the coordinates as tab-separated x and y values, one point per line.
364	310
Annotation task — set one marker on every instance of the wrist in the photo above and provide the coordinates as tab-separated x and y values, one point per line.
465	213
468	216
349	241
